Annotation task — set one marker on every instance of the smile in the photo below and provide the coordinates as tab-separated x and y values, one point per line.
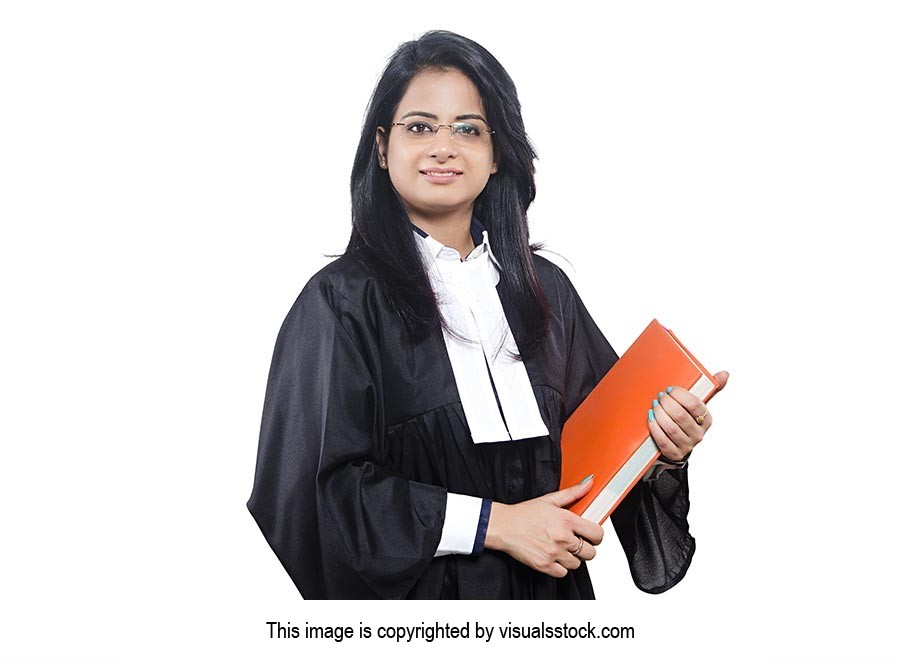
441	177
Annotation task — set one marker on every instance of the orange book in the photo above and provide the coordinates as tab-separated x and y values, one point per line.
607	435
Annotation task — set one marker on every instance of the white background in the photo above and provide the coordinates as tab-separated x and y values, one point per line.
171	174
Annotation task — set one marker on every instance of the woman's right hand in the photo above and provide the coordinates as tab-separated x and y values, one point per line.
542	534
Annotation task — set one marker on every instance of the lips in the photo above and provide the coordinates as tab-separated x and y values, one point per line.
441	175
441	171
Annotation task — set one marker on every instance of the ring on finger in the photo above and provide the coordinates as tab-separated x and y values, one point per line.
580	545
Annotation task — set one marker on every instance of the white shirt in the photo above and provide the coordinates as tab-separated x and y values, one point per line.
466	291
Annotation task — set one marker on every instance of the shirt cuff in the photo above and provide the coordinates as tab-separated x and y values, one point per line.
663	464
462	524
486	504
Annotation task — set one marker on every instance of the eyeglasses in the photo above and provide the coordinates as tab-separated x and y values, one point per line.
466	132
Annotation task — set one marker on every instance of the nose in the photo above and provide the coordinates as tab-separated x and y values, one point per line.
442	143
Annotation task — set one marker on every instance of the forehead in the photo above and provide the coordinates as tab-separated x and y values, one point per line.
444	93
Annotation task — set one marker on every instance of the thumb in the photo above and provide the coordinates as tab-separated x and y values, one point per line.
570	494
722	379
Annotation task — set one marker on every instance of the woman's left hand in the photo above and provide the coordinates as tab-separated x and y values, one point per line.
673	423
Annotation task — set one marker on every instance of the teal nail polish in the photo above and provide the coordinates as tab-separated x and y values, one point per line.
586	479
669	390
650	415
656	403
660	394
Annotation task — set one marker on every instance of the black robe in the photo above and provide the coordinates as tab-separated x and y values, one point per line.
363	434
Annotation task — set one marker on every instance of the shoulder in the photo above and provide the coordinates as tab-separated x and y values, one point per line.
342	279
340	292
552	278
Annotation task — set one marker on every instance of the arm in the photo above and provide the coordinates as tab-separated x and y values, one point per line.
651	521
342	525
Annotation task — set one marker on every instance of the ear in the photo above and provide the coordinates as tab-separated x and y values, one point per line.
494	169
380	146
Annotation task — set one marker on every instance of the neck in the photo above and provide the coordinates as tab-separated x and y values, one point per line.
453	231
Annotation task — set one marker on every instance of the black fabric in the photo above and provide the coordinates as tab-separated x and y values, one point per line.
363	434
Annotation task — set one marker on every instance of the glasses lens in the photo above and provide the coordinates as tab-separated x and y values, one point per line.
469	131
465	132
418	130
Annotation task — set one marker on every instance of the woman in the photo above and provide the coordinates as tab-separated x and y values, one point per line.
410	437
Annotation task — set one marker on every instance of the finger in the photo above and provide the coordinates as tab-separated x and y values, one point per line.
665	445
722	379
673	419
691	403
707	421
557	570
587	552
590	531
578	546
552	568
571	494
568	560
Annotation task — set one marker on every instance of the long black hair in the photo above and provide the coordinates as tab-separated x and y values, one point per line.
381	238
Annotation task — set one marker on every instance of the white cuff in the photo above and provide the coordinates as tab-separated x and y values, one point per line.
656	469
460	524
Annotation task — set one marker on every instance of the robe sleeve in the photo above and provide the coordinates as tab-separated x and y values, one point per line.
341	524
651	521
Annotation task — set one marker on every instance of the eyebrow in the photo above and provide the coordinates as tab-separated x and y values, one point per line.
422	113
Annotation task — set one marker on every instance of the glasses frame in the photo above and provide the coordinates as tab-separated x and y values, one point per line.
437	127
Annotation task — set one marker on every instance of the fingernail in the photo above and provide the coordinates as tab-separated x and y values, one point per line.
586	479
656	403
660	394
650	415
669	390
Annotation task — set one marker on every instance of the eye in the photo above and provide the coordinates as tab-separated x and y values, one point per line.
468	130
418	127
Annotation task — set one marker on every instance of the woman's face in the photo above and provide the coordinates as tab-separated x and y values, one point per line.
436	97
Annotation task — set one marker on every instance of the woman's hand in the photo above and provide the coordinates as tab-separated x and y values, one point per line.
673	423
542	534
